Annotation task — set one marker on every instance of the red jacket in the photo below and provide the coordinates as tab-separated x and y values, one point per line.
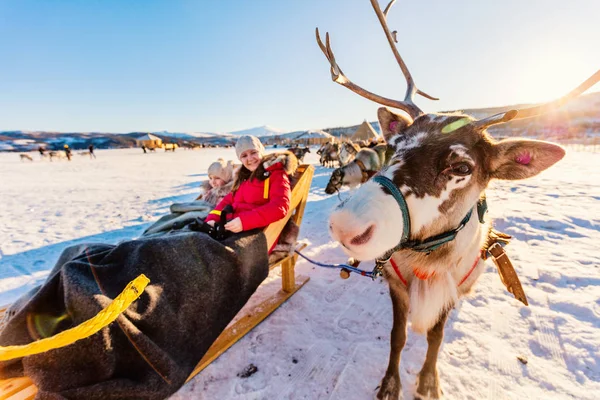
249	202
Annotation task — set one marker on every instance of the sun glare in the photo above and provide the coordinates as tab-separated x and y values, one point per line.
554	75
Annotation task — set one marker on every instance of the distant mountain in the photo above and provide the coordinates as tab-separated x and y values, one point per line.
580	118
260	131
347	131
27	141
177	135
191	135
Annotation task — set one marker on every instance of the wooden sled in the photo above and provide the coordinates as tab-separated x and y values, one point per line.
22	388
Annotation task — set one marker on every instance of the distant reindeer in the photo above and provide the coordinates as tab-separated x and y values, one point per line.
329	154
366	164
348	151
57	154
299	152
320	152
418	217
362	143
24	157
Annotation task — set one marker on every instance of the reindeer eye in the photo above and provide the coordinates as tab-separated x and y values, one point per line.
461	169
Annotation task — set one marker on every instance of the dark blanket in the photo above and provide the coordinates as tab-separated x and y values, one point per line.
197	285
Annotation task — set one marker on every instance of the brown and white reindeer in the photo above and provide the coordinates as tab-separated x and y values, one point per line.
418	217
366	164
348	151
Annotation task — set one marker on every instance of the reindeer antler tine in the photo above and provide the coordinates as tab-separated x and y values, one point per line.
321	45
495	119
328	45
336	72
426	95
385	12
544	108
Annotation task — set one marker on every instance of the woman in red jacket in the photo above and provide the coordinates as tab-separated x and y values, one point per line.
261	191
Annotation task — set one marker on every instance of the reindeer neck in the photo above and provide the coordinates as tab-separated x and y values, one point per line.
456	257
353	175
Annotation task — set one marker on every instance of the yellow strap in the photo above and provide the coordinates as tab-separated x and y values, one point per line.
131	292
266	191
216	212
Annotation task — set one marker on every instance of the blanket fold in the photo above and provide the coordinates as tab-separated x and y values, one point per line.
197	285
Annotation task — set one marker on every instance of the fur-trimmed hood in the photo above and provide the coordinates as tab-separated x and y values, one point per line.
289	162
214	195
285	160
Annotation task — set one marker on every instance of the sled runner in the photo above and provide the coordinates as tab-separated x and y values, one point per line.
23	388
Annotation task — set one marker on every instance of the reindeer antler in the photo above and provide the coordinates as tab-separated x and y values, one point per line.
338	76
538	110
544	108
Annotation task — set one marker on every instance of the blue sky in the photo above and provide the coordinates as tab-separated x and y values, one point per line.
217	66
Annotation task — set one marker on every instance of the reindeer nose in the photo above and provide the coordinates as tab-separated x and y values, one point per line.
345	230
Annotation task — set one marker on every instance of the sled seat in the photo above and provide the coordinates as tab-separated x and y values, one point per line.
22	388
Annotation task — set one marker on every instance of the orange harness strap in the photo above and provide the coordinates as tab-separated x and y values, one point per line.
424	277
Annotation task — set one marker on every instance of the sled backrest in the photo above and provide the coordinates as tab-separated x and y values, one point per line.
300	182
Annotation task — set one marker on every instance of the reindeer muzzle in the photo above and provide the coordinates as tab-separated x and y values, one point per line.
422	246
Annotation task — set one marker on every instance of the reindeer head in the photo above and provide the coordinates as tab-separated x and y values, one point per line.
441	165
335	182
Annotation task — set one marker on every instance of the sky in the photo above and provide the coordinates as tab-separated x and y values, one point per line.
221	66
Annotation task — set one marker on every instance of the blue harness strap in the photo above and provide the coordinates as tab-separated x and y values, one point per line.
369	274
426	245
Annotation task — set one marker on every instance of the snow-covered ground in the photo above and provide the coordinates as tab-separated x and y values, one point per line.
331	339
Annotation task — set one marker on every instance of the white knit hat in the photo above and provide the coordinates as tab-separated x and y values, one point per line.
221	169
248	142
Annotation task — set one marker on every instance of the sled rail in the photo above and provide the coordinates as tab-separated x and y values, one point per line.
23	388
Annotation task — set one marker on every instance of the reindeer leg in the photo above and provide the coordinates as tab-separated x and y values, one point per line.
428	381
391	388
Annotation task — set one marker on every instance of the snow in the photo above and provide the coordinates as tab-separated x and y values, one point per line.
331	339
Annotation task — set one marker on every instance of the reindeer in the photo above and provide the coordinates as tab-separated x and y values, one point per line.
366	164
299	152
330	154
57	154
321	151
418	217
348	151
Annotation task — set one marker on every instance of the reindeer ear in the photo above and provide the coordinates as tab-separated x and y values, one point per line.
521	158
391	124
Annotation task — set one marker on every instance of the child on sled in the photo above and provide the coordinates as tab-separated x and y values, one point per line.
219	183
